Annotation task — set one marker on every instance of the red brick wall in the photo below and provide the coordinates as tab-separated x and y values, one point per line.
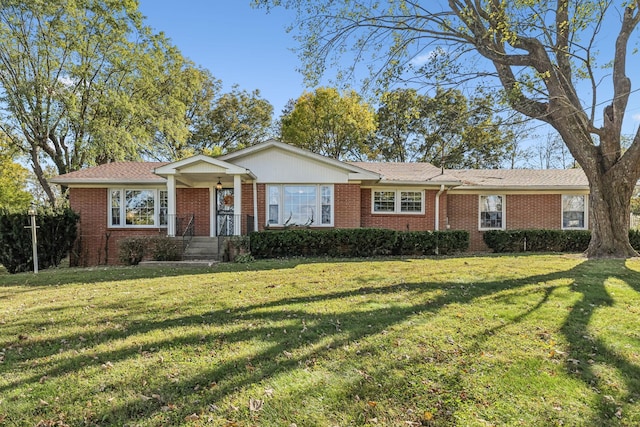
522	211
97	244
194	201
346	205
247	206
534	211
402	222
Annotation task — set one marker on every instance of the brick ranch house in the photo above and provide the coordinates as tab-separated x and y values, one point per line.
273	184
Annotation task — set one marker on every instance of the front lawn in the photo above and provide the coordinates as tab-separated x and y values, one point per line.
534	340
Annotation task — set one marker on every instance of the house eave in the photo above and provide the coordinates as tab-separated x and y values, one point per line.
529	188
103	182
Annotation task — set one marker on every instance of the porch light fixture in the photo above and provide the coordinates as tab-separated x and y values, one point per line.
219	185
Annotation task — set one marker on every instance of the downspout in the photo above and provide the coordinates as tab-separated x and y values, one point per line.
437	224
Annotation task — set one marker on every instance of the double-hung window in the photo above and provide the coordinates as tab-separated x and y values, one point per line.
574	211
303	204
491	212
398	201
138	207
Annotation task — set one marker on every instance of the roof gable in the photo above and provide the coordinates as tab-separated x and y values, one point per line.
274	161
199	164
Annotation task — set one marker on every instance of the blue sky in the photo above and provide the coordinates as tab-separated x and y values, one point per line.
251	48
238	44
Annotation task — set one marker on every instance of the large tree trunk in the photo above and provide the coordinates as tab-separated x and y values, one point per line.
609	217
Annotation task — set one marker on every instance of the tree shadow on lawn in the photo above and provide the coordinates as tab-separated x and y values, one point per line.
284	352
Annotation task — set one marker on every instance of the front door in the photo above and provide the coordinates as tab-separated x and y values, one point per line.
224	211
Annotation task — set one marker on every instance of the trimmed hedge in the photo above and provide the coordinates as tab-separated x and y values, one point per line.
355	242
537	240
57	230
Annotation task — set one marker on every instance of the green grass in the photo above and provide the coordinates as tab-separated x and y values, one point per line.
533	340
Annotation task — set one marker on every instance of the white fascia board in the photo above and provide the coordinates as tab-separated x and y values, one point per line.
101	182
475	189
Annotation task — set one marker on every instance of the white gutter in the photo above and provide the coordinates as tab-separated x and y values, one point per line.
437	225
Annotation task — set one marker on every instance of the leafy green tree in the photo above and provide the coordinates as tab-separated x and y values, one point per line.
447	130
233	121
542	53
329	123
13	182
85	82
197	92
400	125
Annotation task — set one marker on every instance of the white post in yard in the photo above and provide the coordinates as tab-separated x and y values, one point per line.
34	238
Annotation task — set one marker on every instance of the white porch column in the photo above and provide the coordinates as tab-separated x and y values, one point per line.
171	208
237	205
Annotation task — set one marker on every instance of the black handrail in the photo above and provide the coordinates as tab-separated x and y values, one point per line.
188	232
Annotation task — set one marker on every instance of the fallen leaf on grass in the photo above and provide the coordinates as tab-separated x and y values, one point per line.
255	404
192	417
372	404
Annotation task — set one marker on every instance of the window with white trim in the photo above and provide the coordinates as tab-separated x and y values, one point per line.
397	201
300	205
574	211
491	212
138	207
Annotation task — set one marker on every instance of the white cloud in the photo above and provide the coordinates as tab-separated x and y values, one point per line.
636	117
420	60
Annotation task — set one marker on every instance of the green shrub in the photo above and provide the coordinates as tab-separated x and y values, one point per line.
57	230
355	242
537	240
432	242
165	249
634	239
132	250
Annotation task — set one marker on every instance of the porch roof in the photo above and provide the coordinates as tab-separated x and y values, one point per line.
201	168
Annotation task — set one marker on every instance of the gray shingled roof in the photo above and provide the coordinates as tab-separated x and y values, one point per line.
117	172
405	173
522	178
469	178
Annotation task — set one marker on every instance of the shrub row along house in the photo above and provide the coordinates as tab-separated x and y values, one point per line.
273	185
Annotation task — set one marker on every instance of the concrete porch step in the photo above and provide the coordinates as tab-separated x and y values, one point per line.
201	248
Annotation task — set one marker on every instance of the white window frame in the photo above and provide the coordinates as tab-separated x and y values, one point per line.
397	202
122	208
504	212
585	212
282	217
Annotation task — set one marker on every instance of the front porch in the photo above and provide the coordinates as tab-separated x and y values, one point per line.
216	208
